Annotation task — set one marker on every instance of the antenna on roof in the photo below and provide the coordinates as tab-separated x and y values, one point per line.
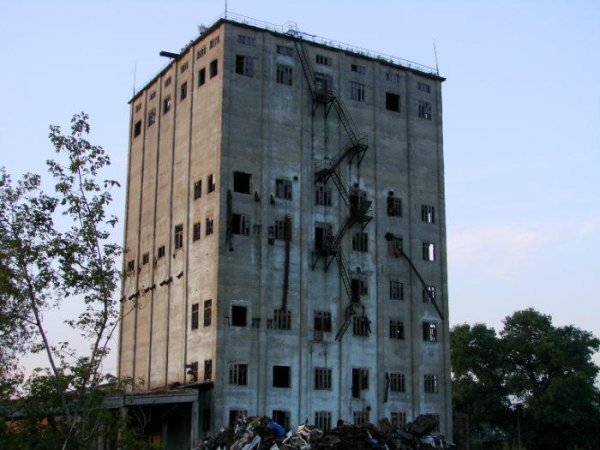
437	69
226	9
134	71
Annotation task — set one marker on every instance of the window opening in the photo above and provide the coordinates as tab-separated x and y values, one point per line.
238	315
284	75
396	329
397	382
396	290
166	104
360	381
211	184
429	294
322	378
238	374
242	182
357	91
394	206
358	69
282	418
428	213
201	76
137	128
244	65
240	224
195	316
323	420
285	50
361	326
392	102
210	223
207	369
161	251
214	68
322	321
428	251
283	189
360	242
429	331
281	376
425	110
151	117
178	237
207	313
183	91
431	383
197	189
322	195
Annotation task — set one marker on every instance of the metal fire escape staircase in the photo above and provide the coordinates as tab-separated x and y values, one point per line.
329	169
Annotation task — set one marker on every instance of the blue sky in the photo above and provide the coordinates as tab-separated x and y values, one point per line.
521	119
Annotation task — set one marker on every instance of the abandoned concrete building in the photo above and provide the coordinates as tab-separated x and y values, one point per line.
285	232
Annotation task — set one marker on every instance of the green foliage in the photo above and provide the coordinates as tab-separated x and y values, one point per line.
55	250
547	370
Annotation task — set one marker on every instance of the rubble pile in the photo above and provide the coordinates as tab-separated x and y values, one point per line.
262	433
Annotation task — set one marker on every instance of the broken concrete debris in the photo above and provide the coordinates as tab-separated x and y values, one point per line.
262	433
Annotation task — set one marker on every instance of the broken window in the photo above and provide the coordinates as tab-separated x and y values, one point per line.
211	184
285	50
431	383
359	285
323	83
285	74
214	68
323	60
138	107
168	82
394	206
178	237
197	189
282	320
207	312
323	236
195	316
322	195
396	290
193	370
430	331
214	42
392	77
244	65
282	376
394	245
425	110
397	382
235	415
240	224
428	213
242	182
322	378
152	95
283	189
207	369
357	91
145	258
238	374
282	418
428	251
161	252
151	117
323	420
361	417
322	321
210	223
424	87
201	52
137	128
396	329
238	315
201	76
392	102
360	242
130	265
246	40
184	67
429	294
196	232
358	69
183	91
398	419
166	104
360	381
360	326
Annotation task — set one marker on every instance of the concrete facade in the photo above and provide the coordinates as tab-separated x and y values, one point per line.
253	131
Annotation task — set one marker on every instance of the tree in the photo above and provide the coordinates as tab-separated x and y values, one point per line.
535	373
56	250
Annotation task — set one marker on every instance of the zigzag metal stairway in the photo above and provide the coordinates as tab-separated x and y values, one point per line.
329	169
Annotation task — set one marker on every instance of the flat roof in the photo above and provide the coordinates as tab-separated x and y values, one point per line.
291	32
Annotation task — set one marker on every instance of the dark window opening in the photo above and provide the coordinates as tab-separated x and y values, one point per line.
361	326
395	246
360	381
151	117
282	418
161	251
322	195
207	312
244	65
242	182
429	294
428	213
284	50
358	68
196	232
425	110
397	382
424	87
145	258
323	420
214	68
360	242
201	76
178	237
428	251
394	206
323	83
195	316
360	417
396	290
431	384
130	265
207	369
193	371
238	316
209	227
396	329
183	91
322	321
283	189
392	102
240	224
235	415
211	184
285	75
282	319
398	419
324	60
282	376
357	91
322	378
166	105
238	374
323	236
197	189
429	331
137	128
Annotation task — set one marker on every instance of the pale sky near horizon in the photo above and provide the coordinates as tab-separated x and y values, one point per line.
521	120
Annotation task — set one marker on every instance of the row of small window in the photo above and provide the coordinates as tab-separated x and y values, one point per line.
167	102
323	419
322	376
